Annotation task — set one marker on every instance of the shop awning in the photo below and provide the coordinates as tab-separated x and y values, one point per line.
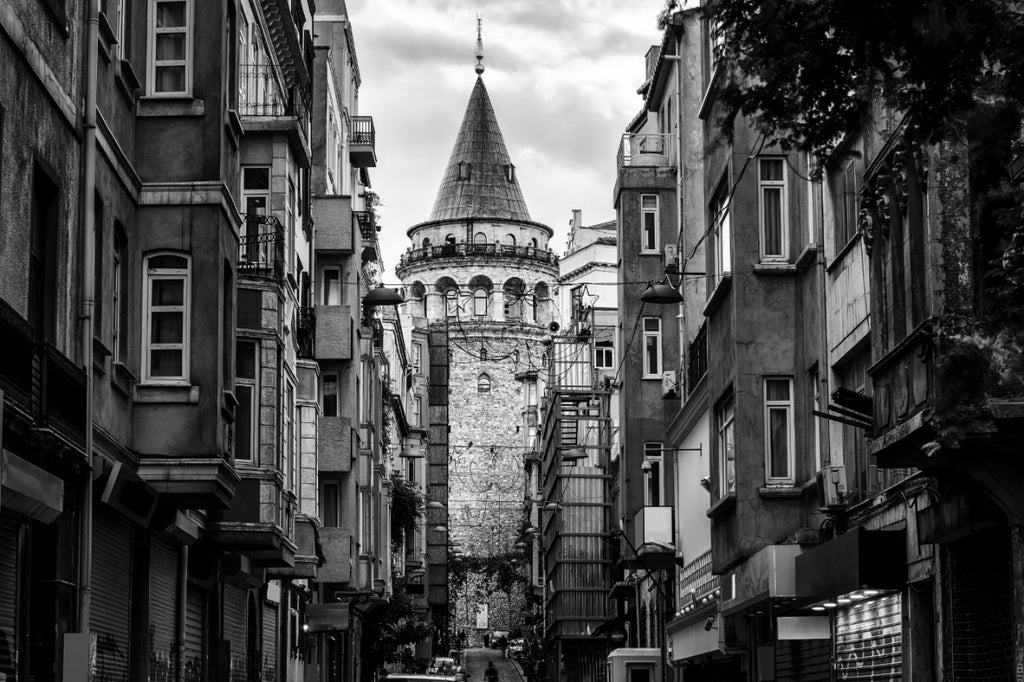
858	559
328	617
767	574
30	490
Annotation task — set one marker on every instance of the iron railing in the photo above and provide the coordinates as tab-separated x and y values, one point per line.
697	365
261	247
363	131
465	250
261	94
646	149
367	222
61	394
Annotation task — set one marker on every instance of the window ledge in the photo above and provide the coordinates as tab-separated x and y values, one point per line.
170	105
723	505
100	353
780	491
774	268
717	294
808	256
166	393
123	379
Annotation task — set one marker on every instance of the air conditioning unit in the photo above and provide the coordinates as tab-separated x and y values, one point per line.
832	490
670	385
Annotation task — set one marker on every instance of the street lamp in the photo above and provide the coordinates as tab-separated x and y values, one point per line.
381	295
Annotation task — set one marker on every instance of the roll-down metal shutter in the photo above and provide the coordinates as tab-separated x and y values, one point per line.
111	584
869	640
270	639
195	632
163	584
234	630
9	553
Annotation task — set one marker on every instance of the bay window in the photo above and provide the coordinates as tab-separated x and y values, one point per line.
778	430
170	47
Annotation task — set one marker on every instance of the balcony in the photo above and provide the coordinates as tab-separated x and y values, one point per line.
477	251
61	398
265	105
254	525
362	142
308	551
332	216
653	539
333	325
647	150
261	248
368	229
16	362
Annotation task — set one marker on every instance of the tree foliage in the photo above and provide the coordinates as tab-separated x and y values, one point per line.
387	631
406	508
806	71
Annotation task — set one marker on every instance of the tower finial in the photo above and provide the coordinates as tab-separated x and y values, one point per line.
479	45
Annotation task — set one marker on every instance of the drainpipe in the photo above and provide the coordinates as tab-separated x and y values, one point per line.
88	297
179	654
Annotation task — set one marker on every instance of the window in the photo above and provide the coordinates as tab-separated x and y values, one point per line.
426	242
249	314
329	397
816	401
331	286
716	42
480	238
42	285
289	436
463	171
417	411
479	302
845	181
653	483
255	202
726	442
510	173
778	430
771	210
449	239
604	355
115	15
510	239
165	350
852	375
652	348
119	317
247	354
721	232
451	303
483	384
531	393
330	504
649	223
170	48
97	309
417	357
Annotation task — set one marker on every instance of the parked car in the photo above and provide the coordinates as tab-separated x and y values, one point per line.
516	647
442	665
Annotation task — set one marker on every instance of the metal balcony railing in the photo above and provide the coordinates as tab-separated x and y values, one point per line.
306	333
367	224
261	247
646	150
60	396
363	131
467	250
697	362
261	94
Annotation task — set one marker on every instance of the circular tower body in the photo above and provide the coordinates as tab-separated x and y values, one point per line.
481	269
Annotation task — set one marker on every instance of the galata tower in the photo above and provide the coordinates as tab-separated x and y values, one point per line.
480	268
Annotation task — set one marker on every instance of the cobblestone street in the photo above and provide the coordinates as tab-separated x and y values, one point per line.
475	661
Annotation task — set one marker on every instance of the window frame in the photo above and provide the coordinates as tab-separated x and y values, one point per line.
185	275
254	403
324	376
417	410
844	184
649	242
151	61
416	358
483	383
654	453
725	435
480	295
325	298
787	406
605	350
653	334
782	186
721	232
332	521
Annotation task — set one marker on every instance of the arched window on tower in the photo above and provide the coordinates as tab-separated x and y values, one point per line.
510	173
510	239
449	239
480	238
533	242
483	383
426	242
463	170
479	302
451	303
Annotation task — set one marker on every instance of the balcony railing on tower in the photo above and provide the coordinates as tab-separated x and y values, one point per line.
261	247
469	250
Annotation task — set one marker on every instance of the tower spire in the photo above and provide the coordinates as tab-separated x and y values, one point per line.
479	45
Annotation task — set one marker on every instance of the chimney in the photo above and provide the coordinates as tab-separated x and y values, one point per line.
577	219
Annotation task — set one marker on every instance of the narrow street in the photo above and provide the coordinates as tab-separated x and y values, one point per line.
475	662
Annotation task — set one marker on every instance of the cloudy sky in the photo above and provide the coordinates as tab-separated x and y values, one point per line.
562	76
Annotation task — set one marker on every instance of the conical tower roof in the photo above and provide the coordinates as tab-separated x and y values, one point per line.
491	189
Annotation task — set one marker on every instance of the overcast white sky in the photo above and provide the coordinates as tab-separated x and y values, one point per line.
562	76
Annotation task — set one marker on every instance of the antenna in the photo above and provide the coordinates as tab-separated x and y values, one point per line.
479	45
